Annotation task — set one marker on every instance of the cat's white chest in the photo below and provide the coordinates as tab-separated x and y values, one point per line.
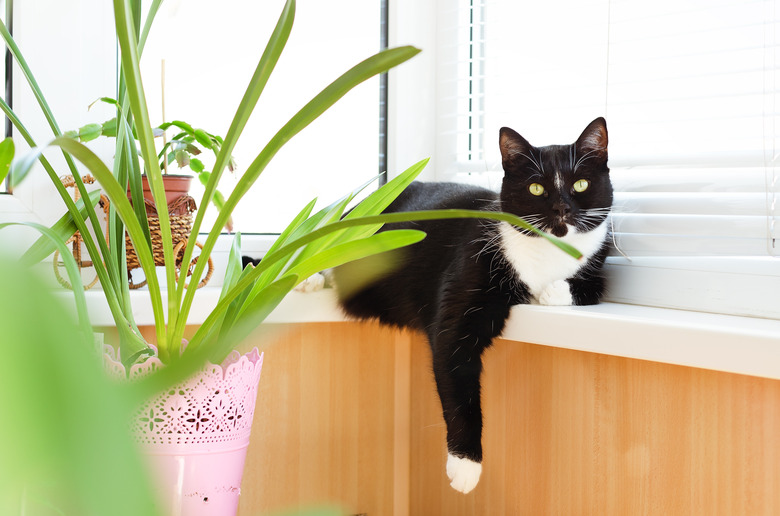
542	266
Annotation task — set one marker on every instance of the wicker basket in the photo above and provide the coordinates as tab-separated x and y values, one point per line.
180	212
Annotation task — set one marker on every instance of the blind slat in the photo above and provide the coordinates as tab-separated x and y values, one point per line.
633	225
715	204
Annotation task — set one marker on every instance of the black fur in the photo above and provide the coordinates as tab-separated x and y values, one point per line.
456	285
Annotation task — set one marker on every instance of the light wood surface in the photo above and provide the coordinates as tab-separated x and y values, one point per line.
329	427
347	414
573	433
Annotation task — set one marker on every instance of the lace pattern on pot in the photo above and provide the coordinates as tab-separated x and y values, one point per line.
216	405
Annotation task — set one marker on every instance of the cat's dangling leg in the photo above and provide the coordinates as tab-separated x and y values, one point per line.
457	365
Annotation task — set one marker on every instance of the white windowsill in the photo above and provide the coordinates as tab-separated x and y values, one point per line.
732	344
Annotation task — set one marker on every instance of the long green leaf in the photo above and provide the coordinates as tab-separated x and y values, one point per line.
55	241
250	318
361	72
233	271
265	66
20	127
63	229
97	254
37	93
6	156
234	308
323	217
126	35
28	75
118	197
293	228
92	248
135	182
326	216
335	212
356	249
153	8
379	200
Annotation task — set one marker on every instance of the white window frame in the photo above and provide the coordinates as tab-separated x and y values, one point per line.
32	201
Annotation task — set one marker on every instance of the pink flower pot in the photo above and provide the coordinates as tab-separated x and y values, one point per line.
195	435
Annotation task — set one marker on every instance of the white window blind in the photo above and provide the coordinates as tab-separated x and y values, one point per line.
689	89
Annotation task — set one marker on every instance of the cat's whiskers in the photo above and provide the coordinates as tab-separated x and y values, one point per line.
494	242
581	160
593	217
533	160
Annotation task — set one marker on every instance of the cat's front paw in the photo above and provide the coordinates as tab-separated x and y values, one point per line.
556	293
464	473
313	283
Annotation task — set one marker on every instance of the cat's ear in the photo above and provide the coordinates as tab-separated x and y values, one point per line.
593	140
513	147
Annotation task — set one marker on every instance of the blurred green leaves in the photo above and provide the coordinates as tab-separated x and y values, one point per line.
6	156
64	446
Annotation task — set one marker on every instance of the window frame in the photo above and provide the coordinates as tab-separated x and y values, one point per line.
25	202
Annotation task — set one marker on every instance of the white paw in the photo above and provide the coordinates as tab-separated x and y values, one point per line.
313	283
556	293
463	473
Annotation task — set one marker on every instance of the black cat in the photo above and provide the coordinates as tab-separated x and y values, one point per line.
458	284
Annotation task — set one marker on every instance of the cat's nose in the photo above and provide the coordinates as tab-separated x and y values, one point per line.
562	208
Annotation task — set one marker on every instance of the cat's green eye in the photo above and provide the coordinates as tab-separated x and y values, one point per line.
581	185
536	189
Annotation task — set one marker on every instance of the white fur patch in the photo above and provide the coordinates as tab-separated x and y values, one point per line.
559	180
463	473
556	293
539	264
313	283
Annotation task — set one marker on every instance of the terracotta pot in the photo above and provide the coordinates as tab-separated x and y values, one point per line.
175	186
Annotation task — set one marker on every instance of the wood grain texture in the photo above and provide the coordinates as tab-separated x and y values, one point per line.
326	428
347	414
574	433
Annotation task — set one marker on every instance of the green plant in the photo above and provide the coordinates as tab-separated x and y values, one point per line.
311	242
181	150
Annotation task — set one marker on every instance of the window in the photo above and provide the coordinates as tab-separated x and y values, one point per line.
87	61
210	54
689	89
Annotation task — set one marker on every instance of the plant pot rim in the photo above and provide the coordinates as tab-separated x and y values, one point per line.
211	410
113	363
164	175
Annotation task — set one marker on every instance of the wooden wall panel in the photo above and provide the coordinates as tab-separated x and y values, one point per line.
575	433
325	425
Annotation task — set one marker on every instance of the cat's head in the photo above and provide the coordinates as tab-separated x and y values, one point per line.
558	188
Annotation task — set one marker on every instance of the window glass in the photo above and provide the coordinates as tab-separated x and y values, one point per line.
211	52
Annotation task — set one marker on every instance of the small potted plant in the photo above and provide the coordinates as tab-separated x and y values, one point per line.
182	151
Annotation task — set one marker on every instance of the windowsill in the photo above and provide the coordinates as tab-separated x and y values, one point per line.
732	344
